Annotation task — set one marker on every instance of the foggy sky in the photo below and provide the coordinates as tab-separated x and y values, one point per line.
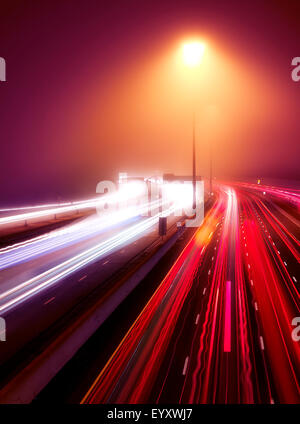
93	89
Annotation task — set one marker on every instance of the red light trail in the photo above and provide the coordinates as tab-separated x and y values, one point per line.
232	281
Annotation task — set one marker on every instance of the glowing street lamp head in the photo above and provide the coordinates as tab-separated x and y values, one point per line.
192	53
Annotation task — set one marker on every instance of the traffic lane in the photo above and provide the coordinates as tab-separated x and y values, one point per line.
285	255
285	258
288	215
31	231
51	276
174	385
218	359
275	309
286	226
17	274
142	349
74	380
262	383
255	389
28	319
288	195
169	386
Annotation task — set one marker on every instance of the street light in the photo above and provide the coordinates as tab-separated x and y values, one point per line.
192	54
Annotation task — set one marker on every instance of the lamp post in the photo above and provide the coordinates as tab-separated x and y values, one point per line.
194	161
210	169
192	53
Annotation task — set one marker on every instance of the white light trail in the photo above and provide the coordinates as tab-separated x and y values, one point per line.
53	275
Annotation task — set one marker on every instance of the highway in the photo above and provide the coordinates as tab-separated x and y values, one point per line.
218	329
150	207
214	325
44	276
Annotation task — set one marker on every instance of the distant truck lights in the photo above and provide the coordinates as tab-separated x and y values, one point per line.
2	69
296	70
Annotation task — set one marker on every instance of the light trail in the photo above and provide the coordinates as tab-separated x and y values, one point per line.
218	327
277	312
74	233
282	193
234	288
227	322
124	194
144	342
46	279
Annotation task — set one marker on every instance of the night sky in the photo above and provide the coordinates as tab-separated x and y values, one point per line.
92	90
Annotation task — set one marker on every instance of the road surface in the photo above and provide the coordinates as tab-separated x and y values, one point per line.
219	327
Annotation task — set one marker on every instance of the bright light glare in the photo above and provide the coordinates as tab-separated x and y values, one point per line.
180	195
132	189
192	53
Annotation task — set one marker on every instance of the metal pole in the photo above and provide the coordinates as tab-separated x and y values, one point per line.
194	163
210	171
